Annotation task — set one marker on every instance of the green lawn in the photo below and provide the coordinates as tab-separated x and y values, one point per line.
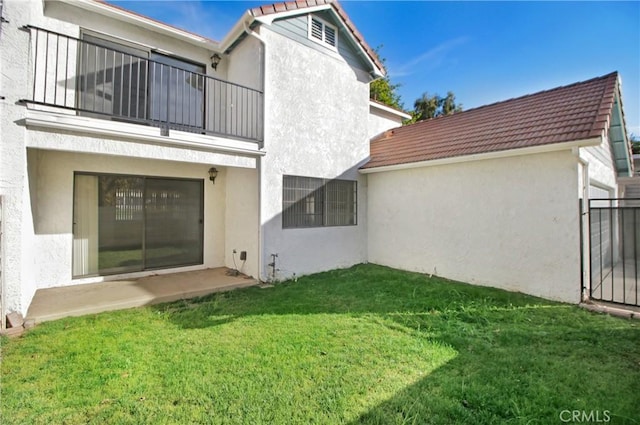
362	345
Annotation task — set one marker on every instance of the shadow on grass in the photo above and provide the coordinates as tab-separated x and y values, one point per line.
521	359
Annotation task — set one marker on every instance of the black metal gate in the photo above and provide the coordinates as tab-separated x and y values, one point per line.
614	241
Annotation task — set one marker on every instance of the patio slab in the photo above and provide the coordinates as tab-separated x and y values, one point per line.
621	284
79	300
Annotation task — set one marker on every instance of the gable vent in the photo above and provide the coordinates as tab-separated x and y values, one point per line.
330	36
316	28
323	32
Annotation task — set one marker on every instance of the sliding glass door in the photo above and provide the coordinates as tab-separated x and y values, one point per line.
132	223
173	223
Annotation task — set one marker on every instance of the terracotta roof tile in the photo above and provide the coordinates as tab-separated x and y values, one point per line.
564	114
303	4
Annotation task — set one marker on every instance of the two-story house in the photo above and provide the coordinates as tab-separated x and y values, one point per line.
132	147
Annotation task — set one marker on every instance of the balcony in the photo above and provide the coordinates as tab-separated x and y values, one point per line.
104	79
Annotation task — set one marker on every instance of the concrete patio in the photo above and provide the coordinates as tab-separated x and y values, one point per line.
79	300
620	284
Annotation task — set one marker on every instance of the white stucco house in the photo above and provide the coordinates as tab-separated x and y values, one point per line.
498	195
112	123
131	147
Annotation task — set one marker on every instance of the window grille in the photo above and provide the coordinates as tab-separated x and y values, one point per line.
314	202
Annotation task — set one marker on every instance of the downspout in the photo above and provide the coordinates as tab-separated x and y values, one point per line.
585	232
259	161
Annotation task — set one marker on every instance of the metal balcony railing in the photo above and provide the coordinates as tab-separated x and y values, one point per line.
112	81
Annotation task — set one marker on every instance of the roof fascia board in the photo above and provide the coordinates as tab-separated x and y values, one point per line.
617	109
377	72
105	9
389	110
268	19
489	155
236	31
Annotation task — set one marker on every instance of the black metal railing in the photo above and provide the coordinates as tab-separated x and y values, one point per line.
614	231
104	79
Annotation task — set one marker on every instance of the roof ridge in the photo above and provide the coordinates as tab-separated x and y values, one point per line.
568	86
577	112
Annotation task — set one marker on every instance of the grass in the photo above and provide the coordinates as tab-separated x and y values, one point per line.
361	345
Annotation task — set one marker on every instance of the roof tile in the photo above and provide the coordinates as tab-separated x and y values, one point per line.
564	114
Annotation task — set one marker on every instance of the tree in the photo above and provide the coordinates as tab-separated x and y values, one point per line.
383	90
449	105
431	106
635	143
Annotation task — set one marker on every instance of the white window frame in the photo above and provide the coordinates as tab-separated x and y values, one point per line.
325	24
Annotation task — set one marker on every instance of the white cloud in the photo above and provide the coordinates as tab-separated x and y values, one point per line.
433	57
202	17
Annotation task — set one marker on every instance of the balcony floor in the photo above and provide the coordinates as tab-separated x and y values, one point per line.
80	300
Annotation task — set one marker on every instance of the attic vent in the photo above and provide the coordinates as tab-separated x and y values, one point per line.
330	36
322	32
316	29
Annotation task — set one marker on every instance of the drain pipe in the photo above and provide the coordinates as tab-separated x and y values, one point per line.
260	160
585	226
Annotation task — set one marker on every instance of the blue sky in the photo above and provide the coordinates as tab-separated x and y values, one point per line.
482	51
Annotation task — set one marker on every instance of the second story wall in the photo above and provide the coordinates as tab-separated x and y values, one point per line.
316	111
317	107
79	19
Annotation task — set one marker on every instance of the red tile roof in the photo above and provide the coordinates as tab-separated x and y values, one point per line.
564	114
269	9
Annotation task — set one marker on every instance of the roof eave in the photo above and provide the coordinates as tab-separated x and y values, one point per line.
389	110
108	10
486	155
249	18
237	30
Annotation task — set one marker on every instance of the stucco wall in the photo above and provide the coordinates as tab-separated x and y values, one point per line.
53	195
511	223
37	192
241	219
70	19
601	168
244	64
317	118
14	83
380	121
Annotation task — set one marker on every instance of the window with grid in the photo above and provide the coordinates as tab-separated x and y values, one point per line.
314	202
323	32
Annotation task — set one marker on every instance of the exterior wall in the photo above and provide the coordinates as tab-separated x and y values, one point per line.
297	29
36	176
241	219
317	116
602	171
68	20
52	197
18	234
512	223
244	64
380	121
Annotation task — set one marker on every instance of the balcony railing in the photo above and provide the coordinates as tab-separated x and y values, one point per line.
115	82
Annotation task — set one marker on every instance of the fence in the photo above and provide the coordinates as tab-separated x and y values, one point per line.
105	79
614	231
